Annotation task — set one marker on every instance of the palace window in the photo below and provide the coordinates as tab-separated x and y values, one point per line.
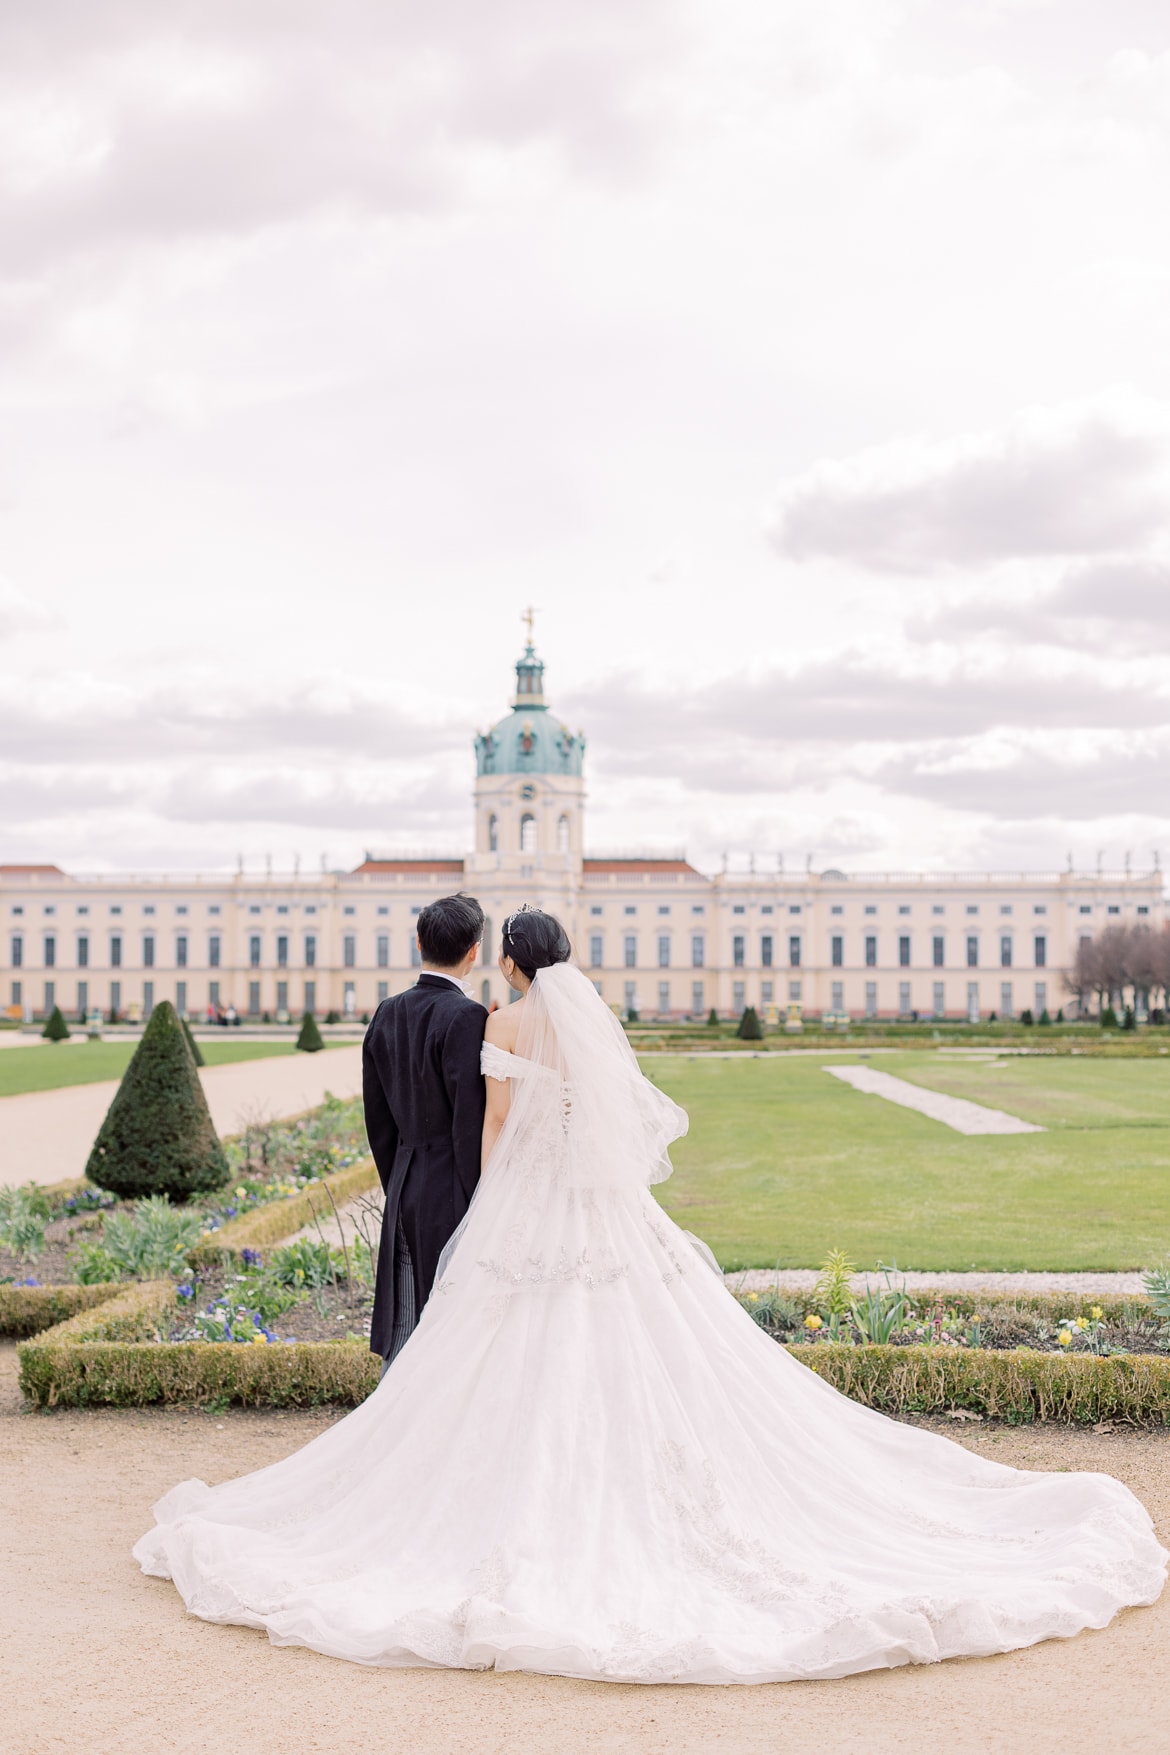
181	951
938	949
493	834
631	951
698	950
904	953
871	952
1005	953
116	951
664	953
837	953
562	834
83	954
596	951
254	951
528	833
766	950
973	955
349	950
282	956
794	953
1040	951
148	951
310	956
737	951
50	953
17	950
383	950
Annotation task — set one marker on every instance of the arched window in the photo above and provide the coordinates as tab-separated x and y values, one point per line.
563	835
493	834
487	946
528	833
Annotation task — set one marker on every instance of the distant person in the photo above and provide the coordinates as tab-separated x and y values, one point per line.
588	1460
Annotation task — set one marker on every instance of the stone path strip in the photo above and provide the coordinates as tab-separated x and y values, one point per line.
45	1136
955	1112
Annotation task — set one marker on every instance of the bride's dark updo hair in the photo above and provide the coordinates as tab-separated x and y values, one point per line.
535	941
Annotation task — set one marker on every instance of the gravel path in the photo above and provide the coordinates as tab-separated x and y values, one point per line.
45	1136
955	1112
94	1656
975	1280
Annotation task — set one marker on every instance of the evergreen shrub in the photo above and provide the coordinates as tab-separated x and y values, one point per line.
749	1026
1129	1022
158	1137
56	1029
1044	1018
333	1017
712	1016
309	1041
1026	1017
196	1051
1109	1018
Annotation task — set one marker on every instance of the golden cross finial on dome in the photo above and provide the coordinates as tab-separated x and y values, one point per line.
528	618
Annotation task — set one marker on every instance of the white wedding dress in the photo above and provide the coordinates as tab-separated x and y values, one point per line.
589	1461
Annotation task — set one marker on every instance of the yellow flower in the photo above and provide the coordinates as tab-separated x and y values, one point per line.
753	1297
1096	1313
259	1340
241	1194
1064	1338
813	1321
1082	1322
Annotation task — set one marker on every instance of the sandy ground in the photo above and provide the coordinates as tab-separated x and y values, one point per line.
46	1136
93	1656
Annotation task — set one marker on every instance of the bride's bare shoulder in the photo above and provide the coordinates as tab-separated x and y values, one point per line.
504	1026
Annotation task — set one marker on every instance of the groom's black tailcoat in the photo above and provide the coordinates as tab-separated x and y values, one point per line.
424	1099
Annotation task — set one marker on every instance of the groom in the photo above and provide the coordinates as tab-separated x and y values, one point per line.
424	1098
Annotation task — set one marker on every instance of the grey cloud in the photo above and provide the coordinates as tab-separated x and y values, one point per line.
175	724
1121	605
1039	787
1086	486
834	704
357	105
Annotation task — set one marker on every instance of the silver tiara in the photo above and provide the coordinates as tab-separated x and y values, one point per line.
523	909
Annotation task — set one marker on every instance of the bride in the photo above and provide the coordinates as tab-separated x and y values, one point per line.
589	1461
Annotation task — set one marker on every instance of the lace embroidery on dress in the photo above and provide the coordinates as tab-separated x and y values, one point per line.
536	1272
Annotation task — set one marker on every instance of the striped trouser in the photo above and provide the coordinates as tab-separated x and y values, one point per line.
405	1314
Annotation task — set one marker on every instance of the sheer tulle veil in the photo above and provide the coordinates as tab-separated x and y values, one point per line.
582	1115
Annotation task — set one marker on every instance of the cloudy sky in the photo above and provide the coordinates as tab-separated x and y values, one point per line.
806	364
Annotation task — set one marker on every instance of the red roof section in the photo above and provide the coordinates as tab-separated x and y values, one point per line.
621	866
417	867
28	870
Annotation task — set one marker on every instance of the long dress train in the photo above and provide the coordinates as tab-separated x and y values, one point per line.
589	1461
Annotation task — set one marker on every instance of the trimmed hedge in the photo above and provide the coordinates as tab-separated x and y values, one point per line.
1053	1305
1018	1385
278	1219
55	1360
28	1310
294	1374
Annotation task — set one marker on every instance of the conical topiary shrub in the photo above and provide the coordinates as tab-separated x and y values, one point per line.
56	1029
749	1025
158	1137
196	1051
713	1016
309	1040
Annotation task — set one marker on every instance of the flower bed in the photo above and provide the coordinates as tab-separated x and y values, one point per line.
282	1174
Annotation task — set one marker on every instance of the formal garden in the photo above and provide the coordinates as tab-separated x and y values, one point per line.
185	1269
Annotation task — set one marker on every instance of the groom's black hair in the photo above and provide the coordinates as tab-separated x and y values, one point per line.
448	928
535	940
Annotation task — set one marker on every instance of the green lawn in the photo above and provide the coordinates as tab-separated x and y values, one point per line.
64	1063
784	1162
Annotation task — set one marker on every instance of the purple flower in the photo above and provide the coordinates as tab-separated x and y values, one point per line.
230	1212
28	1282
185	1291
251	1258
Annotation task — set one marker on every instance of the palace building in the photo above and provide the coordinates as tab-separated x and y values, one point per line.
655	934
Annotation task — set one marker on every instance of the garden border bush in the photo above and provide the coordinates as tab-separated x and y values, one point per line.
1054	1305
1019	1385
27	1310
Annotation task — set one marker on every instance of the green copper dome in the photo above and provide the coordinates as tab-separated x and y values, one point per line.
529	740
